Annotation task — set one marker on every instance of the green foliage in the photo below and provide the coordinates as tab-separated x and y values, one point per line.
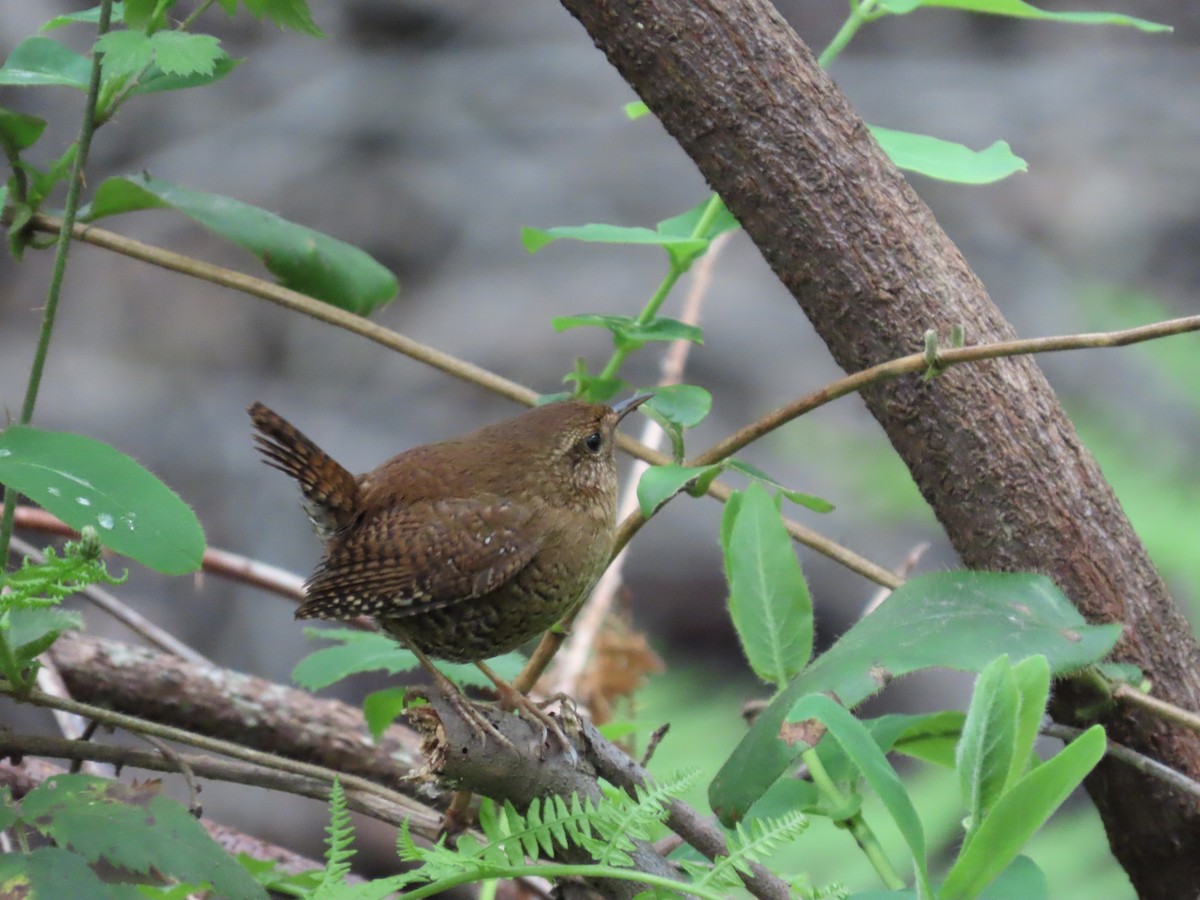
303	260
87	483
957	620
768	597
659	484
947	161
338	851
29	619
130	828
1021	10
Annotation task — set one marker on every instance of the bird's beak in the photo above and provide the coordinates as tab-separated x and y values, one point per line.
625	407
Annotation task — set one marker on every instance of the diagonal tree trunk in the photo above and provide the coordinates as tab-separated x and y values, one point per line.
988	444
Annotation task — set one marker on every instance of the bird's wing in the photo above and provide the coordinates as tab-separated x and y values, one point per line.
428	555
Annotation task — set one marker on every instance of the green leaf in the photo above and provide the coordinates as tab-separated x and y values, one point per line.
684	404
1032	679
1019	813
712	212
380	709
534	239
808	501
659	484
31	631
134	827
20	130
87	17
88	483
51	873
985	753
628	329
39	60
365	651
125	52
157	81
768	597
1021	10
929	736
139	13
948	161
1021	879
956	620
291	15
179	53
302	259
861	748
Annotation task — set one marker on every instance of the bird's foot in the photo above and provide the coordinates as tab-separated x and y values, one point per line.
535	714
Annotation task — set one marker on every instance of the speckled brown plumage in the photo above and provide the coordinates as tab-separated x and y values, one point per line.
467	548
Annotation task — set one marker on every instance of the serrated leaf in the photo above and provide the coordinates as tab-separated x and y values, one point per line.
180	53
41	61
125	52
292	15
985	752
861	748
301	258
768	597
365	651
380	709
156	81
134	827
51	873
955	620
88	483
1021	10
946	160
1019	813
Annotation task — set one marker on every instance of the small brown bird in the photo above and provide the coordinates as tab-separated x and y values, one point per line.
467	548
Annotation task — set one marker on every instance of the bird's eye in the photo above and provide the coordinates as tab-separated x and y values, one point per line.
594	441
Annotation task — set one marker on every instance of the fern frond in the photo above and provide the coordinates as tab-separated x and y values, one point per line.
44	584
340	836
746	846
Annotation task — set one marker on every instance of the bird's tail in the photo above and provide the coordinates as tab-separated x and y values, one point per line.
330	492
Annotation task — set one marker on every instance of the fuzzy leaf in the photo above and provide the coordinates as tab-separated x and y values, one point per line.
955	620
768	597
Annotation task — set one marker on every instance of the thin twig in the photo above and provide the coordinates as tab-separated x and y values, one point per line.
1139	761
135	621
214	745
232	771
902	572
1161	708
182	766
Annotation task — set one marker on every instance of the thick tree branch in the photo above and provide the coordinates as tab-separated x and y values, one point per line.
988	445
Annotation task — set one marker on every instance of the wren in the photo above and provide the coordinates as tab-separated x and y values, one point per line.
467	548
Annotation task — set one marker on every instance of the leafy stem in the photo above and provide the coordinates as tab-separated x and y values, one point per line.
678	267
853	821
86	130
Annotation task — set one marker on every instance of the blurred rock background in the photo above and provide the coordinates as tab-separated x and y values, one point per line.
429	132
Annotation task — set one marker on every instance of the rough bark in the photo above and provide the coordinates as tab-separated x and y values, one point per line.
988	444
